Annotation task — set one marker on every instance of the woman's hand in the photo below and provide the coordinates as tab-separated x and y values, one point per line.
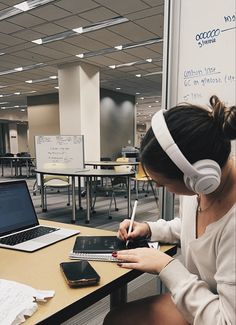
139	230
148	260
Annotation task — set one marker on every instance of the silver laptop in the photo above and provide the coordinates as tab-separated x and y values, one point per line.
19	225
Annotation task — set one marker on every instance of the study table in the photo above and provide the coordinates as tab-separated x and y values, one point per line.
88	174
40	270
17	163
109	163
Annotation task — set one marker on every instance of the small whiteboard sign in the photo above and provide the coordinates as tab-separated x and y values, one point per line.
59	151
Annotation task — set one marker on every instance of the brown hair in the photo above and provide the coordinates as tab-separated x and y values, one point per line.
200	133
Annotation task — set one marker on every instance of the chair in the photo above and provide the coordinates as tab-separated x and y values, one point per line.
143	178
117	184
58	182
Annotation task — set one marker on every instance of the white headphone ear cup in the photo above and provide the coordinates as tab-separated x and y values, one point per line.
209	179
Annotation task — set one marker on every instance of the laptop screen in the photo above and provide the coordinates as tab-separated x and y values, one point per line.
16	207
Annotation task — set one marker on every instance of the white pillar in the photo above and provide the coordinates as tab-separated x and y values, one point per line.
13	137
79	105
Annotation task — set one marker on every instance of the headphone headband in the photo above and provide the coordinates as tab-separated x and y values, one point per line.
201	177
167	143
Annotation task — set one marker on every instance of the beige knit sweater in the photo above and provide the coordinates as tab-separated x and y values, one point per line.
203	287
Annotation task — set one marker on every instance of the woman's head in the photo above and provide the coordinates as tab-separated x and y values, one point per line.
199	134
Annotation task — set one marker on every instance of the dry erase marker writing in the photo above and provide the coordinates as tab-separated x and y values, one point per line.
132	220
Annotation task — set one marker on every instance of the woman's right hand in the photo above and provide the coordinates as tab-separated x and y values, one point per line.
139	230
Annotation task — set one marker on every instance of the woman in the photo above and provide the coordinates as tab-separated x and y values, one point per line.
201	290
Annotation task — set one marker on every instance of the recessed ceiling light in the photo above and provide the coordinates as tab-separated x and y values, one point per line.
149	106
29	81
138	75
137	93
56	87
16	106
149	60
22	110
81	55
53	77
118	88
112	66
19	69
17	93
119	47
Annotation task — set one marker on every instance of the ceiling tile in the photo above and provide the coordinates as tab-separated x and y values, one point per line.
26	20
124	6
27	34
72	22
109	38
49	29
75	6
50	12
45	51
132	32
98	14
8	27
152	24
9	40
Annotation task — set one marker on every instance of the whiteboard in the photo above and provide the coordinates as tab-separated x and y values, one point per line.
207	51
59	151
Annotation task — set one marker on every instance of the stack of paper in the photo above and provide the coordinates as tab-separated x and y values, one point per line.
18	300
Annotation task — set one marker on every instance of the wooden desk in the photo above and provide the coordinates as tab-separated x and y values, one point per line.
88	174
41	271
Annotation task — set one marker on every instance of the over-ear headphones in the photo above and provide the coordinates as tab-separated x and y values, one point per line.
201	177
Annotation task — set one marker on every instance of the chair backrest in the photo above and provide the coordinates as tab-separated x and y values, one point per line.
140	171
122	159
123	168
54	180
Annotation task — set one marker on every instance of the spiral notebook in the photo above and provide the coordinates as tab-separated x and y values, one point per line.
100	248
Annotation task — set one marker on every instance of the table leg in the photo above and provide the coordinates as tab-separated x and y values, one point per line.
128	195
88	199
118	297
79	193
73	199
42	193
27	168
11	168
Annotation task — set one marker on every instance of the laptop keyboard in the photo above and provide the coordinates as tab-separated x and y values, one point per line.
27	235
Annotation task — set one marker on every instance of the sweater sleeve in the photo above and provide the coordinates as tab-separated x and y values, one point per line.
193	297
165	231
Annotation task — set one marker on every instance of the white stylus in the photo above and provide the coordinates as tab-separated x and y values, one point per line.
132	220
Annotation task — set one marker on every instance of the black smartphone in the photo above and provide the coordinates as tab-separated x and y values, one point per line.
79	273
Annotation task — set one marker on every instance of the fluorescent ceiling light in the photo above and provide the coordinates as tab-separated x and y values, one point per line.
78	30
38	41
81	30
2	103
138	75
119	48
17	93
22	7
41	80
19	69
29	67
2	53
152	73
80	55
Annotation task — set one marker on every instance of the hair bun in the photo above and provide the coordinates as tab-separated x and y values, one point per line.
225	117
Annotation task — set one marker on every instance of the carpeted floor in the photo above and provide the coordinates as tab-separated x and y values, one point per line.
147	209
